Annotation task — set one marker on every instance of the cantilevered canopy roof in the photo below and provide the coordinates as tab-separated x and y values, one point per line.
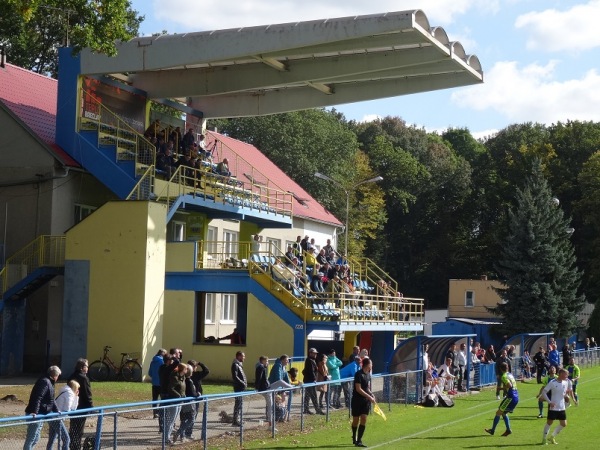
286	67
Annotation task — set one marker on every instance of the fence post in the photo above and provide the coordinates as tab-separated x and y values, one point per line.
99	430
205	423
241	420
115	430
302	394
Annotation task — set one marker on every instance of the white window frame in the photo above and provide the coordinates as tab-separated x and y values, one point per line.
209	308
212	236
178	230
275	244
228	311
230	243
470	304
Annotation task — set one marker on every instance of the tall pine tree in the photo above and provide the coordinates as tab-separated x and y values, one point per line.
537	264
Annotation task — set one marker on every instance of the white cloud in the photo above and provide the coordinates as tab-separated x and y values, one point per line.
370	118
483	134
532	93
573	30
194	15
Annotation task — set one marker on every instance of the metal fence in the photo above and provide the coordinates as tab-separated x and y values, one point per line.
146	425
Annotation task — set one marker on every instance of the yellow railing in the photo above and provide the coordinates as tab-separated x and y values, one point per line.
340	302
144	188
241	168
44	251
112	130
222	189
367	269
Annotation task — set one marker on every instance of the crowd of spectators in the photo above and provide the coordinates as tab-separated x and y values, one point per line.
190	150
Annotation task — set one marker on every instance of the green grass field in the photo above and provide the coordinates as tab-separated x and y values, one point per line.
451	428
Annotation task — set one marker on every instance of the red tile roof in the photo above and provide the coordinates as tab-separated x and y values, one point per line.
251	157
32	98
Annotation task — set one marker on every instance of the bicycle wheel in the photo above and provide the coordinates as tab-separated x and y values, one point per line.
131	371
98	371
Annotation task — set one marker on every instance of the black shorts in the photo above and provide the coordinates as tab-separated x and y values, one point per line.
557	415
360	406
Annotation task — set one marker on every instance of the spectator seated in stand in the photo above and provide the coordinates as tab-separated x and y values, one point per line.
342	260
331	257
284	274
166	163
310	260
223	168
321	258
289	256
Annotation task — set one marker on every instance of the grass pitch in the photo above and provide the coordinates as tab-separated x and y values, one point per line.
460	427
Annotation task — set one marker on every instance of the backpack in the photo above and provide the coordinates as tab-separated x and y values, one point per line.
430	400
445	401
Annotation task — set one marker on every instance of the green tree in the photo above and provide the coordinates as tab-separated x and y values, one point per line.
594	322
34	30
588	208
537	265
302	143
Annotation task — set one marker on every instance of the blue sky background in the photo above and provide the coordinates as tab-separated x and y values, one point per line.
540	57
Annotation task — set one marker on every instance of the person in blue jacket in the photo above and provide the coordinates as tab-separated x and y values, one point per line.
554	356
348	372
153	372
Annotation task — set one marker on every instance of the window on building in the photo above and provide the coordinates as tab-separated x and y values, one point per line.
230	246
82	211
177	231
209	308
211	240
274	245
469	299
228	308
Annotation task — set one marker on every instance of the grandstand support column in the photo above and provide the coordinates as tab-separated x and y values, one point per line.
13	335
350	339
382	348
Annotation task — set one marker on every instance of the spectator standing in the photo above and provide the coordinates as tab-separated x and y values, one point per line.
361	402
153	373
77	424
323	375
66	401
540	361
490	355
240	383
175	390
41	402
333	365
328	247
310	376
164	372
278	377
349	371
567	354
200	373
261	384
461	361
553	356
188	409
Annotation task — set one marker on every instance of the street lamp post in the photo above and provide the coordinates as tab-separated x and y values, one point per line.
347	192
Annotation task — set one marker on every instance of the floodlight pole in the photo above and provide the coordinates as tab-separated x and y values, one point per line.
347	192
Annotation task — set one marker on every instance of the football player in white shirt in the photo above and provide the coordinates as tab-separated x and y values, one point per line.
561	389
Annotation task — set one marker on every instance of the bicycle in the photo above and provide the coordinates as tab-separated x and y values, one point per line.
128	370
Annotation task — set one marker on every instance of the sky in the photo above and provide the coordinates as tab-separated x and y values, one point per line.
540	58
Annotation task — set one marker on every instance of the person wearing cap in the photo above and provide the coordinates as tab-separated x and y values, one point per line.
310	376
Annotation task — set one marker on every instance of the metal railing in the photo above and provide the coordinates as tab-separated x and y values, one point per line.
144	188
44	251
339	302
211	187
154	425
112	130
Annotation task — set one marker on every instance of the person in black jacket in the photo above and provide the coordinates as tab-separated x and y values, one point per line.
310	376
240	383
540	359
41	401
77	424
261	384
164	373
